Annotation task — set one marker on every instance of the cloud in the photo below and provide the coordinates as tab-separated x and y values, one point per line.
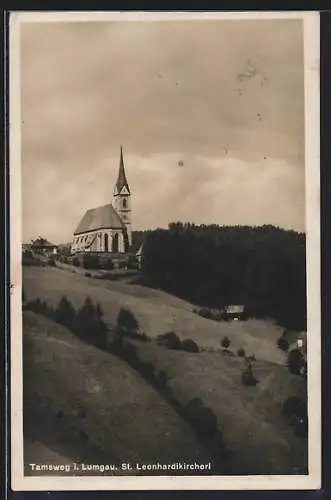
204	190
169	91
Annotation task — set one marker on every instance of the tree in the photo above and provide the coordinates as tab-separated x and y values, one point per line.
89	325
126	322
247	377
260	267
295	361
225	342
283	344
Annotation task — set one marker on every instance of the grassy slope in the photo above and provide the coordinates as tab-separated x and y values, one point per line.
81	404
249	417
155	310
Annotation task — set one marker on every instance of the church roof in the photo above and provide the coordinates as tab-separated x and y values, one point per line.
104	217
121	179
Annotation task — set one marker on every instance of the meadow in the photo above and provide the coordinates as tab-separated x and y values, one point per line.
82	403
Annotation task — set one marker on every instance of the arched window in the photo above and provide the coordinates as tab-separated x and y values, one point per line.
115	243
124	203
106	243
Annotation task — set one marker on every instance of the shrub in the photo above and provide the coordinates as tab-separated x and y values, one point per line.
88	275
126	321
108	264
295	361
247	377
91	261
76	262
162	380
202	418
294	406
204	312
225	342
47	310
147	370
35	306
283	344
65	313
241	352
51	261
190	346
169	340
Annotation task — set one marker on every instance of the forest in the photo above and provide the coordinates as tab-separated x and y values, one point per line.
262	268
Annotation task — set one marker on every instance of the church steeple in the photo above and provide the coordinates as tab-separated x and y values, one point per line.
122	199
121	185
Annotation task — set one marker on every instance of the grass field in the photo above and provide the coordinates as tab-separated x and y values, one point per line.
156	311
84	405
249	417
127	418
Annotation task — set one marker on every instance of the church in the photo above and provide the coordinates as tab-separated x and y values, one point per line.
107	229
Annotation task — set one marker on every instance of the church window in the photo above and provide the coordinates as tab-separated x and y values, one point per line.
115	243
106	242
124	203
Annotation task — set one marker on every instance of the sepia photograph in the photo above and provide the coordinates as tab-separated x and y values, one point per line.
165	281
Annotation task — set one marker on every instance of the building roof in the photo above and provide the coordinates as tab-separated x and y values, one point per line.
42	243
104	217
234	309
121	179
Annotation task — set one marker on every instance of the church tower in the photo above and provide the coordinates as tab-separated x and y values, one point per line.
122	199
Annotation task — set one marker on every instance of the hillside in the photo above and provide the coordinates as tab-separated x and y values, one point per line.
85	405
155	310
249	417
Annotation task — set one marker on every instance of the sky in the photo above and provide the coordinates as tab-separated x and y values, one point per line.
210	115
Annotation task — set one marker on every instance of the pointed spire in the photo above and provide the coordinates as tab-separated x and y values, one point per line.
121	179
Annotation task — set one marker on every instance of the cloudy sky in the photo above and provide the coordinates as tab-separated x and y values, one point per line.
210	115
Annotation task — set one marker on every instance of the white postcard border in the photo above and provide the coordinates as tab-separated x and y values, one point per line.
312	136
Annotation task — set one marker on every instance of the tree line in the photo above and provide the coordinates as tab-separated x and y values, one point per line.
263	268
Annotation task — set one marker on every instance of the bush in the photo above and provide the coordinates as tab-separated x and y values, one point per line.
283	344
76	262
169	340
126	322
65	313
88	275
295	361
294	406
247	377
51	261
204	312
225	342
161	380
108	264
190	346
241	352
35	306
202	418
91	261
